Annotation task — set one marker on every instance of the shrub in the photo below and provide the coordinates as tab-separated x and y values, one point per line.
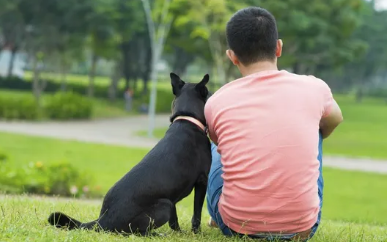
52	86
68	105
21	107
55	179
378	92
164	101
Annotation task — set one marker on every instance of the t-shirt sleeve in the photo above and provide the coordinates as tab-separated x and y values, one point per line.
327	99
210	122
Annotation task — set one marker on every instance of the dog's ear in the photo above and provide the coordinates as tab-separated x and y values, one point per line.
201	86
177	83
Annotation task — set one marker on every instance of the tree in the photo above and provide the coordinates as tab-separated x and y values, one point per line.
182	47
12	28
157	36
316	32
119	27
210	26
101	39
129	22
373	32
48	35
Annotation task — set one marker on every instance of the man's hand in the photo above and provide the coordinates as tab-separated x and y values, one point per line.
331	121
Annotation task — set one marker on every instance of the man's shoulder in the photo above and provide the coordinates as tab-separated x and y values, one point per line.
310	79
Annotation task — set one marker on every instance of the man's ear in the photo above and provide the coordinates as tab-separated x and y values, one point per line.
278	51
177	83
233	58
201	86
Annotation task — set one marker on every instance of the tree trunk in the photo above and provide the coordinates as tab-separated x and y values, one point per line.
136	73
137	56
147	71
11	61
63	85
296	68
90	90
115	78
125	50
157	39
36	88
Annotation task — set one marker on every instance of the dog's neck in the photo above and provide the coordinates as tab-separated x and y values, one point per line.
192	120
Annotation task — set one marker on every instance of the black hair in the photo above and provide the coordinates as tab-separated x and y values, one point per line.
252	35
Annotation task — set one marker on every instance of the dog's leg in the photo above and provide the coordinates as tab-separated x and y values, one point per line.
173	221
152	218
200	194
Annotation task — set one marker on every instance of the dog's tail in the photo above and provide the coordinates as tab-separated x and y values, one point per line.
61	220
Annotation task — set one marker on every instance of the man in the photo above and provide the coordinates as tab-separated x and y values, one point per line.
267	129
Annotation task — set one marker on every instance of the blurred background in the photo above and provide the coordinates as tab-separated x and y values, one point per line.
77	81
99	48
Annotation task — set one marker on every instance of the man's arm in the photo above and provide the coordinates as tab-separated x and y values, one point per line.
331	113
210	123
329	122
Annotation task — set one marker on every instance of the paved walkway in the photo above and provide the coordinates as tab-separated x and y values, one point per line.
123	131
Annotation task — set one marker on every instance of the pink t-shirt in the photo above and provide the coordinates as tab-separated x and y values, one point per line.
266	127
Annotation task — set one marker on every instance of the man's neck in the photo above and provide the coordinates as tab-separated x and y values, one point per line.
258	67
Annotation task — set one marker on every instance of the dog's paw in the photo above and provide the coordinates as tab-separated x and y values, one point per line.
196	230
175	227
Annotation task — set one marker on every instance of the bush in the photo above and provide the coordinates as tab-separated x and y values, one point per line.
23	107
377	92
66	106
56	179
164	101
52	86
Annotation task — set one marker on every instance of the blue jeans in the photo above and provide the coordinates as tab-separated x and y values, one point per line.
214	190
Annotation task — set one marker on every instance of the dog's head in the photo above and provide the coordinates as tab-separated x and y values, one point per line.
190	98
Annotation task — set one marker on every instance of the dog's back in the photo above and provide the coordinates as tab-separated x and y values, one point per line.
172	165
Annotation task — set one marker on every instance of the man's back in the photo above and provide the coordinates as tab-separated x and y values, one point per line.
266	125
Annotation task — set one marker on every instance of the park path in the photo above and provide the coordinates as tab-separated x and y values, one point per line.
119	131
122	131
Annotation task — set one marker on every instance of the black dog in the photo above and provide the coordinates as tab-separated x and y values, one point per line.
146	196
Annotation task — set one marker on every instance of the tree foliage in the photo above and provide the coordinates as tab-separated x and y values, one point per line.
339	39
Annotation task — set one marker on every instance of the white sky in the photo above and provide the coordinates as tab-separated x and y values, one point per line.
381	4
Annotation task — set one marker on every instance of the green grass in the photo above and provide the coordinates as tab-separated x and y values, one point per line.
102	107
364	130
354	202
362	134
24	218
348	196
106	163
158	132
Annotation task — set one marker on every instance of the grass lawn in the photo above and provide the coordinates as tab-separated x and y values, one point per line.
102	108
364	130
362	134
24	218
349	196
